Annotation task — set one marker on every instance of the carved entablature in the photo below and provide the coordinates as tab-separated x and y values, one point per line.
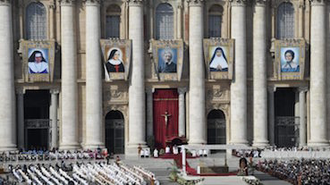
115	95
239	2
135	2
195	2
290	57
218	94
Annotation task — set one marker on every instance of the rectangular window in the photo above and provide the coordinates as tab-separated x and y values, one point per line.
215	25
113	26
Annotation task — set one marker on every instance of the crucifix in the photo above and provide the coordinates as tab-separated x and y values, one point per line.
166	115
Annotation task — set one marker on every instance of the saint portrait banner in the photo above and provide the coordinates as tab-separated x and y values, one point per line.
219	56
38	60
117	58
168	59
290	59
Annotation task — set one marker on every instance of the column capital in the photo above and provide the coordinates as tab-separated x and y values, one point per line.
302	89
260	2
67	2
150	90
318	2
92	2
182	90
5	2
239	2
271	88
20	90
54	91
195	2
135	2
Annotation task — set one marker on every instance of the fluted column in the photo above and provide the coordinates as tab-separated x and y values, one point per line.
260	127
239	86
7	93
53	116
197	121
150	110
318	128
20	118
302	120
182	112
271	115
93	130
69	123
136	84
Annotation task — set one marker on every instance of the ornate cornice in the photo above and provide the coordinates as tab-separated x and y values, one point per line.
303	88
5	2
54	91
135	2
195	2
67	2
239	2
318	2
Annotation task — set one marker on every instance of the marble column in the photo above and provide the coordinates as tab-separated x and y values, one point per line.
318	44
260	123
69	88
197	121
302	120
271	115
53	117
7	92
93	130
239	83
136	84
150	115
182	112
20	118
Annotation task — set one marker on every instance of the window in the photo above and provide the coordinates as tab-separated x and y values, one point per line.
36	21
164	22
113	22
285	21
215	21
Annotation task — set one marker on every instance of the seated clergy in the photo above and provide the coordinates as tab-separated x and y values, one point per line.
175	150
155	153
167	150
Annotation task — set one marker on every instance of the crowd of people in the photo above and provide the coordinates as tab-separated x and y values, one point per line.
299	171
83	173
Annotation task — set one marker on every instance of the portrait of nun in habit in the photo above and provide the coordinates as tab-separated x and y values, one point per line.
115	62
218	61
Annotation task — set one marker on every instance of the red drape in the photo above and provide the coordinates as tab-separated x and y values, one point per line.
165	100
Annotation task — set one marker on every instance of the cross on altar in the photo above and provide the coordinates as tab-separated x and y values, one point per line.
166	115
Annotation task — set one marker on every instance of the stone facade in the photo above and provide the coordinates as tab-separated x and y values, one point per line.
84	97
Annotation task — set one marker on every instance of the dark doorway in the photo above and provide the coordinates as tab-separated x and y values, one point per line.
286	124
36	119
115	132
216	127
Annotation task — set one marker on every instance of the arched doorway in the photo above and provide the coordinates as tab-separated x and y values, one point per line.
115	132
216	127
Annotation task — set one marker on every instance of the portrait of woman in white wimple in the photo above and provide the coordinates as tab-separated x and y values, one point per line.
218	61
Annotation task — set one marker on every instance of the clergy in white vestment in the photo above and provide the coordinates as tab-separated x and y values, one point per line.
155	153
167	150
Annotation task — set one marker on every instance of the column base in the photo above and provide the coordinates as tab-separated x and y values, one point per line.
260	144
92	145
132	149
69	146
321	143
8	148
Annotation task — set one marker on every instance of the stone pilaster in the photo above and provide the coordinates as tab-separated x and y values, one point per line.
53	117
318	119
150	115
182	111
93	129
260	123
69	88
302	120
271	115
239	83
20	117
7	91
197	120
136	84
